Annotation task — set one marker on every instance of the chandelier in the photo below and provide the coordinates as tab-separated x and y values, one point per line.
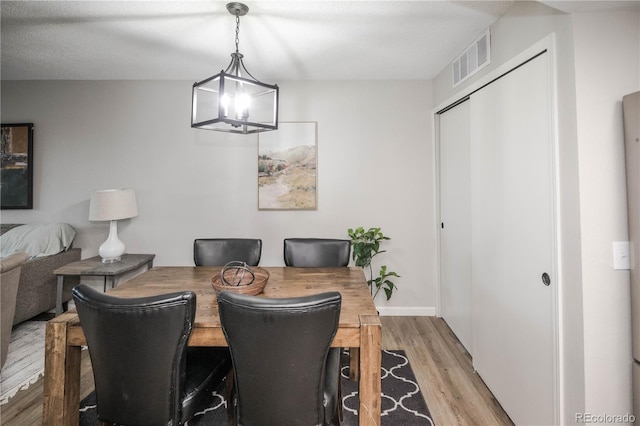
235	101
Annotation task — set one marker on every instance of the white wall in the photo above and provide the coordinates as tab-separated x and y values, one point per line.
374	169
607	68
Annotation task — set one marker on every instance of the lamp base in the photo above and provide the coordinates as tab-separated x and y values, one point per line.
112	249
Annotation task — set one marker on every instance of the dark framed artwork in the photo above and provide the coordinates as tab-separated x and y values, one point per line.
16	173
287	167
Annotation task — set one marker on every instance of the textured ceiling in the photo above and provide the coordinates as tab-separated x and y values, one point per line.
281	40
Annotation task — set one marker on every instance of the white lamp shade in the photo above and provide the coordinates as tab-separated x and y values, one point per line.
113	204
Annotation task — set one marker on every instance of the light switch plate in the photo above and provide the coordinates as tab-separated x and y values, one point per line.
621	255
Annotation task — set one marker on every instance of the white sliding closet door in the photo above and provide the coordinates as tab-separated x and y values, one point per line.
513	241
455	227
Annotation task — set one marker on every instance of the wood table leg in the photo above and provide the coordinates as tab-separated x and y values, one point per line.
61	397
354	364
59	288
370	364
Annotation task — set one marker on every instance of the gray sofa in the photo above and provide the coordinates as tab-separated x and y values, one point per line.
37	288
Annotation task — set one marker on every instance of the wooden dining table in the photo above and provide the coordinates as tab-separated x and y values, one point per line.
359	329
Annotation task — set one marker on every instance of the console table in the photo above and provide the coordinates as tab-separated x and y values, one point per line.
94	267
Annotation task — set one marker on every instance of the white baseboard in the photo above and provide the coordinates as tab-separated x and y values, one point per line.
416	311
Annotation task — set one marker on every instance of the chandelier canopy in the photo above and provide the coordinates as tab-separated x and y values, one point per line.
235	101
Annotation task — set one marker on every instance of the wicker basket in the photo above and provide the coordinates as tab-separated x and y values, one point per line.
240	278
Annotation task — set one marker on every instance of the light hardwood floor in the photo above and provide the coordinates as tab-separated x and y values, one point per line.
455	394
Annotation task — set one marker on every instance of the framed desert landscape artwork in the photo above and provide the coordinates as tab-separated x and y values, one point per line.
16	173
287	167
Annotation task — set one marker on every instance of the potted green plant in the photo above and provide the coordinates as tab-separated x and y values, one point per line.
366	245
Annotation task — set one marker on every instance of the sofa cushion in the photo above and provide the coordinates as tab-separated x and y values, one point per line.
37	240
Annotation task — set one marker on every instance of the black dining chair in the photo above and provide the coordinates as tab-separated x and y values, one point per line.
316	252
144	372
281	368
220	251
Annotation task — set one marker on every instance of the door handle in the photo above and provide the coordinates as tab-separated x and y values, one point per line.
546	279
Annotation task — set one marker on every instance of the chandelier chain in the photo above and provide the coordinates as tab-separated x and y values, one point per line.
237	31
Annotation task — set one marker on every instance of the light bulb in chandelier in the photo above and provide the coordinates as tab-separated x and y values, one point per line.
224	104
242	106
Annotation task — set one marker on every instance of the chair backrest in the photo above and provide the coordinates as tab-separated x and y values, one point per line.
279	350
10	268
220	251
138	353
316	252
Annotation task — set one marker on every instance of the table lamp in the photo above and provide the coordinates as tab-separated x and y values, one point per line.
112	205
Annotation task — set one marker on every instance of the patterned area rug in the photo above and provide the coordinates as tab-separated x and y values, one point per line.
25	359
402	401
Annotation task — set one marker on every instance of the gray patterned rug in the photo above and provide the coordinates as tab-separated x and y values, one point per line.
402	400
25	359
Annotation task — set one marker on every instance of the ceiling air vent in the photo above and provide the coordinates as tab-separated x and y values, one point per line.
473	59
